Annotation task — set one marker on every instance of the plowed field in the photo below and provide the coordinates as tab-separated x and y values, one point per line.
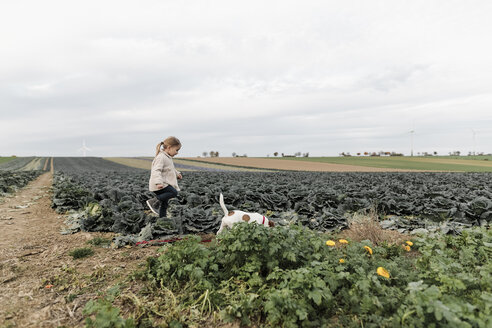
293	165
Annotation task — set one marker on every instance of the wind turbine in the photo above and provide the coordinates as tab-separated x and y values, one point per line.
84	148
412	131
474	140
411	140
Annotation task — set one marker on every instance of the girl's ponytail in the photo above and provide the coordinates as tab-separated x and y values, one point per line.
158	148
168	142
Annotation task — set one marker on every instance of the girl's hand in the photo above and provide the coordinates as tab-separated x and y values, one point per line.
180	176
159	186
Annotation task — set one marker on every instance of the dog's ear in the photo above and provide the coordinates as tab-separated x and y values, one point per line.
271	223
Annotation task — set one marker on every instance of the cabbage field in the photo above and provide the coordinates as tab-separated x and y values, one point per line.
11	181
111	197
16	173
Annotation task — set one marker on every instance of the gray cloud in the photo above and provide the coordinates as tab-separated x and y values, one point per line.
246	77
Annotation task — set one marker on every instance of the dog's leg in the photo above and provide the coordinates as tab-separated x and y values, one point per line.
222	226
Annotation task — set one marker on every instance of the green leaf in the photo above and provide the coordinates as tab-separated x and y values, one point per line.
316	296
301	314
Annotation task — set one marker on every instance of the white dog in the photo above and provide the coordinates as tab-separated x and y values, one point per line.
231	217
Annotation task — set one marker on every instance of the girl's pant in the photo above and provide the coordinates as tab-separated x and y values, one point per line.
164	195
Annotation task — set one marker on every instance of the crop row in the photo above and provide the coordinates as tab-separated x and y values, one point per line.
114	197
10	181
20	162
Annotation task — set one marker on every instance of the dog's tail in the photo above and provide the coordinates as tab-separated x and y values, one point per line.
221	201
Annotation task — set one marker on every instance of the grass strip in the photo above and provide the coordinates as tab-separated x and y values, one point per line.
406	163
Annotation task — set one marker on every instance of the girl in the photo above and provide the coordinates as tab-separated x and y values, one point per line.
163	176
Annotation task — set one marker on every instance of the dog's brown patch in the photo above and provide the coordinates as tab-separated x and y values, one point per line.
231	213
271	223
246	218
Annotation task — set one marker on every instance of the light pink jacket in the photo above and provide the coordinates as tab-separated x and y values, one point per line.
163	172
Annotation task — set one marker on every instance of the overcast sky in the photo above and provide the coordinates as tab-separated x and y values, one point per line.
251	77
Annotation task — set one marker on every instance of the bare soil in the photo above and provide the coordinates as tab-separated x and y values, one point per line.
294	165
41	284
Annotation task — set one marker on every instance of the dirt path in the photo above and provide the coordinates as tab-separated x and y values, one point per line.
41	284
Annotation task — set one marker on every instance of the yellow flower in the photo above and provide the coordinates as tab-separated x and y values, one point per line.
406	247
343	241
409	243
330	243
368	249
383	272
341	261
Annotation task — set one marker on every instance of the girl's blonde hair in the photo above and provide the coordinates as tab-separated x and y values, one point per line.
168	142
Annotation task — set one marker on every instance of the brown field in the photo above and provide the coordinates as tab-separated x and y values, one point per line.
146	163
133	162
199	165
292	165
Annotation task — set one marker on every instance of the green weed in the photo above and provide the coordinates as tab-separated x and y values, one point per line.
80	253
99	241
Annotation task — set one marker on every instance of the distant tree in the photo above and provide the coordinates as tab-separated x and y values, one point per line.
275	154
234	155
366	153
283	155
358	154
306	154
245	155
435	153
205	154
